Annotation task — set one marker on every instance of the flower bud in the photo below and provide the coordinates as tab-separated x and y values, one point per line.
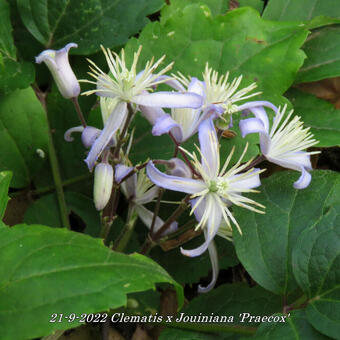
59	66
103	181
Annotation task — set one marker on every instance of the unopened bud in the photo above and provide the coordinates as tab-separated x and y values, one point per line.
103	181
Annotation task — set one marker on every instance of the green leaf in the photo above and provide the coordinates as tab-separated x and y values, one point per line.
316	263
267	241
236	301
321	116
13	74
23	131
323	61
5	179
86	22
46	271
240	42
301	10
175	334
296	327
45	211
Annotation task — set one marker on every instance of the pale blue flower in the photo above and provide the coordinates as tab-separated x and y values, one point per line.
216	190
59	66
124	86
284	143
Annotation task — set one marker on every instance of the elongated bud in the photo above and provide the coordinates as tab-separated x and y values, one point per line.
59	66
103	181
176	167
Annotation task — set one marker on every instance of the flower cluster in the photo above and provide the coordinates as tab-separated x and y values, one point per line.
195	106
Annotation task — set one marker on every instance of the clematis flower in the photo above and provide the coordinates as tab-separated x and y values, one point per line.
284	143
140	190
182	122
125	86
216	190
59	66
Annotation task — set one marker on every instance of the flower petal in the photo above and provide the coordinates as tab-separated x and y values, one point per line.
146	216
209	148
252	180
112	125
187	185
121	171
68	134
151	113
178	168
165	124
251	125
293	160
257	104
303	180
172	82
213	213
169	99
89	135
148	196
214	264
196	86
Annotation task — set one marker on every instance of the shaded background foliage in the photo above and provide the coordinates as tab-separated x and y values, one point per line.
286	261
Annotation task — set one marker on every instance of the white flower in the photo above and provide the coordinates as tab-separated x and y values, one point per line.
284	143
59	66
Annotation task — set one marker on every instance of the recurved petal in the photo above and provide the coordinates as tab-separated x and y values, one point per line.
252	180
172	82
121	171
292	160
304	179
214	266
187	185
112	124
251	125
148	196
209	148
196	86
213	213
165	124
256	104
169	99
151	113
146	216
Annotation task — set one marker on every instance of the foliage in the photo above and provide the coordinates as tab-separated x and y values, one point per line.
274	275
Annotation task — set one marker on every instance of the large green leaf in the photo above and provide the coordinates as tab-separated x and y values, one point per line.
316	263
13	74
46	271
301	10
323	61
5	179
45	211
86	22
237	300
23	131
240	42
296	327
319	115
265	248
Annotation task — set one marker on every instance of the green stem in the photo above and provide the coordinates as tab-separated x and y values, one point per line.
51	188
126	233
57	178
211	328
